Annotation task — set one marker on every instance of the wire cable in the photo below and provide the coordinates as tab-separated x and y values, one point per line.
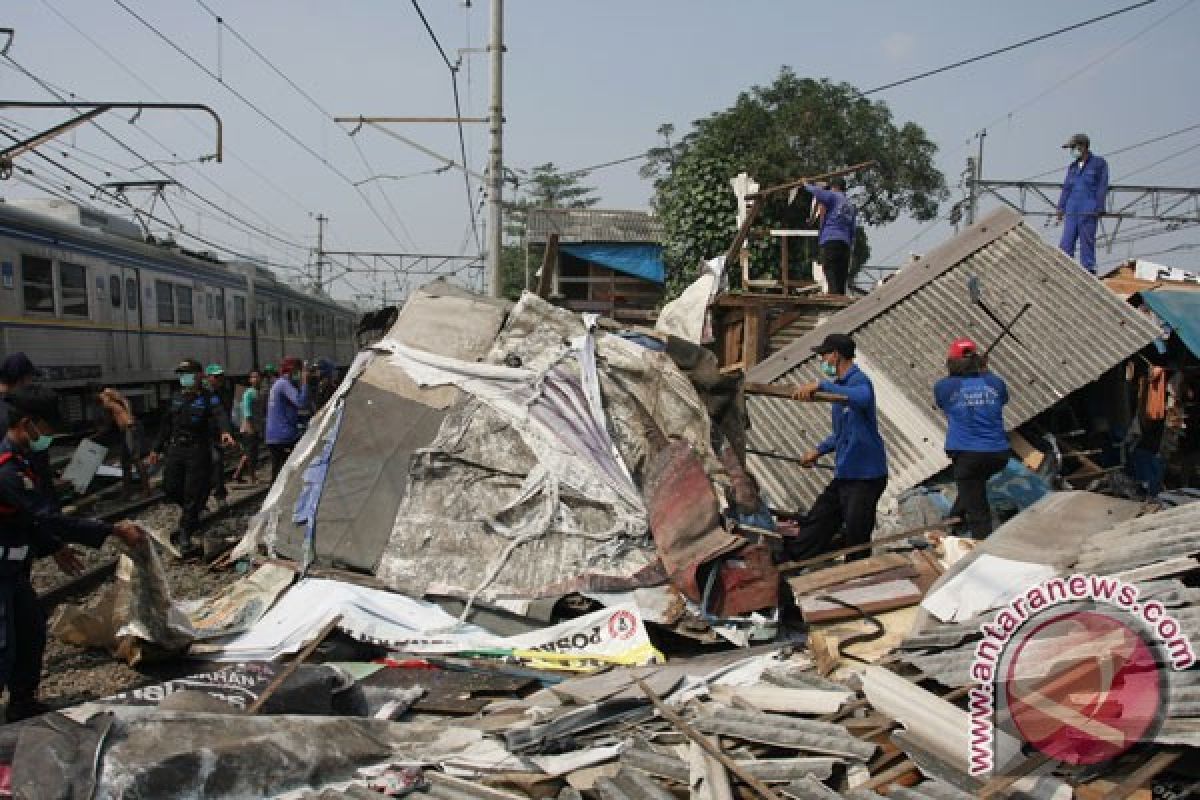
1008	48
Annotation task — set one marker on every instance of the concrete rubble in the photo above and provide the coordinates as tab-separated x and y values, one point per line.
522	554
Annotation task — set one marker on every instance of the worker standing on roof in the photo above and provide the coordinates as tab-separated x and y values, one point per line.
187	434
973	400
860	470
836	239
1082	200
31	527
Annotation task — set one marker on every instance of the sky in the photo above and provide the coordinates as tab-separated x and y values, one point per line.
584	83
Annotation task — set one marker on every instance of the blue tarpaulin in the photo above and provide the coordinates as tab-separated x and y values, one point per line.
1180	309
639	260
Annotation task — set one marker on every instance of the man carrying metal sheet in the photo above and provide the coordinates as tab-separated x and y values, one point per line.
860	471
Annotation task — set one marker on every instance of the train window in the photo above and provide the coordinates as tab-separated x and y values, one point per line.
114	290
183	305
37	280
208	305
239	313
131	294
260	317
73	285
219	306
166	301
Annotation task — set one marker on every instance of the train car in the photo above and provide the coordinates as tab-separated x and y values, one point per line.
91	300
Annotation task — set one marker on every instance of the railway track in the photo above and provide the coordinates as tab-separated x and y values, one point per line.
239	499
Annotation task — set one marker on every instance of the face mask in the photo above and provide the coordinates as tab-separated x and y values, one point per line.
187	380
829	370
41	442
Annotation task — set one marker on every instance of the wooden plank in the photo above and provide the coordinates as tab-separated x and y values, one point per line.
871	599
1029	455
831	576
549	267
287	671
753	340
1160	762
892	538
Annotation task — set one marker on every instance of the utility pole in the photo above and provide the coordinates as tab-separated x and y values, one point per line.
495	152
321	220
975	167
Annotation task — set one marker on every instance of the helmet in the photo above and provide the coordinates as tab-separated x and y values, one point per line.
189	365
270	369
214	369
961	348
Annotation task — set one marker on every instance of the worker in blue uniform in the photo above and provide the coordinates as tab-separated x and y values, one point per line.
860	462
973	400
189	430
32	527
1082	200
835	241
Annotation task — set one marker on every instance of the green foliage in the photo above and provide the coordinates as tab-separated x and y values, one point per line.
543	186
778	133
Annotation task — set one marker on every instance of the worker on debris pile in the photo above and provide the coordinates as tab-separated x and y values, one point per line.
193	423
860	469
289	397
31	527
1081	203
973	400
836	238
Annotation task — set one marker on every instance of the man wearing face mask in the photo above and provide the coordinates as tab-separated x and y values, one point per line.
860	466
192	423
16	372
1081	203
289	397
31	527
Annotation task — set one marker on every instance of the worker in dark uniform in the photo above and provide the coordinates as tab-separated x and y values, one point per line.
31	527
973	400
860	466
193	423
16	372
214	375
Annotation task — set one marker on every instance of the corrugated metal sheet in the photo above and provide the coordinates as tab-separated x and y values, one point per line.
1145	540
593	225
1074	332
791	732
929	790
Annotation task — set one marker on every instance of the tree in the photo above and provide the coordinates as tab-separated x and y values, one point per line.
543	186
778	133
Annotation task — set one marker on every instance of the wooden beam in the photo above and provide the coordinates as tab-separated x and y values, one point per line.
549	266
287	671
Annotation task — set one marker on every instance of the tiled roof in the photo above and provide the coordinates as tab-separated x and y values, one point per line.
593	225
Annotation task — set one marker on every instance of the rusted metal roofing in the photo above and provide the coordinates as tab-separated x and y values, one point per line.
1074	331
593	225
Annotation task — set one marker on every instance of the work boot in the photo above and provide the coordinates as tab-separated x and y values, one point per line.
20	708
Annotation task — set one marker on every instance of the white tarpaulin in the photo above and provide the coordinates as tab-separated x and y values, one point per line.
404	623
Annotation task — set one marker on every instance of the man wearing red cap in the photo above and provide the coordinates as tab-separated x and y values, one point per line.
973	400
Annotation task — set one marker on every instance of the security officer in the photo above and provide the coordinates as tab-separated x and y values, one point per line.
1081	203
215	376
187	435
30	527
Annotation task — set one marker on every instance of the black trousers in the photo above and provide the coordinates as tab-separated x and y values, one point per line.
835	261
279	456
217	481
971	472
22	635
848	503
187	477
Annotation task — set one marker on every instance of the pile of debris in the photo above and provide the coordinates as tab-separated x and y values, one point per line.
525	553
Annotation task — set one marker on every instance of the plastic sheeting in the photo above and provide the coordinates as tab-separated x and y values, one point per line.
639	260
1180	310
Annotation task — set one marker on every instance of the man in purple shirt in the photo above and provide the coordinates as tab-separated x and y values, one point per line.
837	232
289	396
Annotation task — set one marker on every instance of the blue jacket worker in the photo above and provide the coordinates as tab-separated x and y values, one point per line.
836	237
860	465
1082	200
189	432
31	527
288	398
973	400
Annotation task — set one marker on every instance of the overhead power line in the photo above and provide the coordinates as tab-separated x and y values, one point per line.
261	113
1008	48
1125	149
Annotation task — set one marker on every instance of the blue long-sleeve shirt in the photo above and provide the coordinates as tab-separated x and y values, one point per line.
1085	186
283	411
837	225
855	437
974	407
